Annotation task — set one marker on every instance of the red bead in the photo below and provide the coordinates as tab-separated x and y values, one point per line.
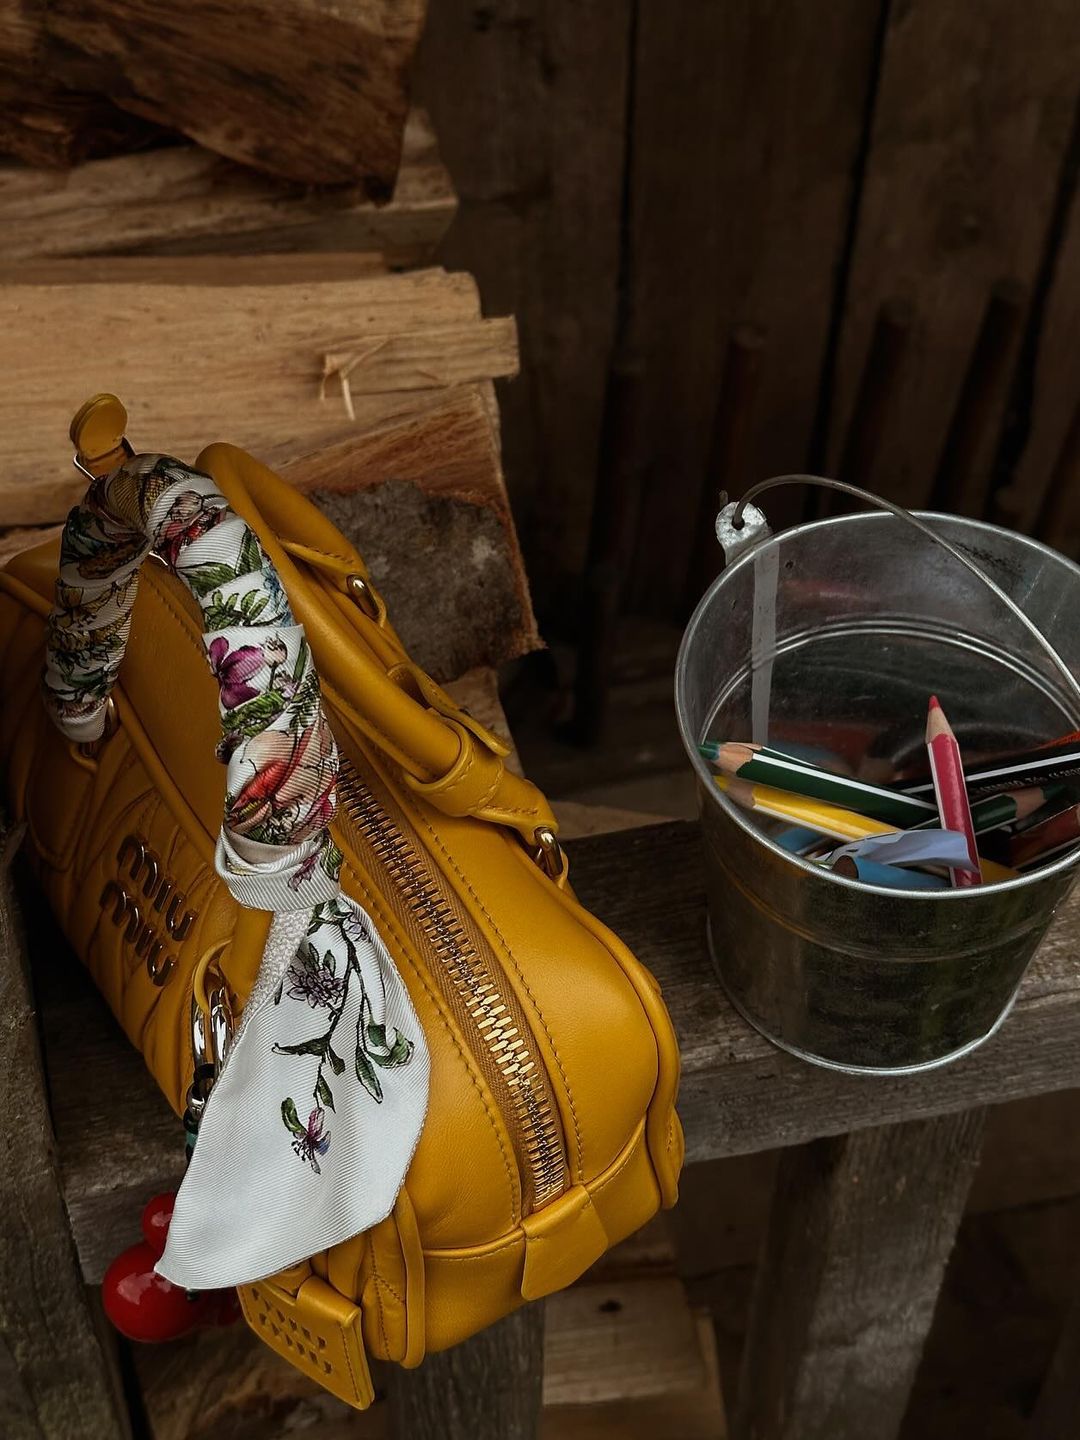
156	1218
144	1305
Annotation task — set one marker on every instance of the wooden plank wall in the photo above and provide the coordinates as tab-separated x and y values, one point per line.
745	132
530	99
673	174
970	126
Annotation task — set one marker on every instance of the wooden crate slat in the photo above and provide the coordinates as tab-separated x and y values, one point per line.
57	1364
1056	392
620	1341
860	1230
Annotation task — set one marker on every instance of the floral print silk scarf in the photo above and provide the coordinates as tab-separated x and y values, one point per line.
313	1120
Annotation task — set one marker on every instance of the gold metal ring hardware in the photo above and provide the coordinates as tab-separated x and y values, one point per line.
549	854
364	596
90	748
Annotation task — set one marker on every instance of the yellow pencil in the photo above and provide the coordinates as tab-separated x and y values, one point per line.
819	815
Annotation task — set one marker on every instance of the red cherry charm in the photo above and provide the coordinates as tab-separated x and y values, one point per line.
156	1218
144	1305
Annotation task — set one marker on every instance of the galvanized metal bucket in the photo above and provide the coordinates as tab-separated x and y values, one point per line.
844	626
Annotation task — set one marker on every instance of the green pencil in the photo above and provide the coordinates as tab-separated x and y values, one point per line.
998	810
764	766
767	766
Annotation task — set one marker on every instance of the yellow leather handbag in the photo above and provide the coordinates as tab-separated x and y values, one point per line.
515	1187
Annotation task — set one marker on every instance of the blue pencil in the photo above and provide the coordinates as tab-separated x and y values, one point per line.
888	877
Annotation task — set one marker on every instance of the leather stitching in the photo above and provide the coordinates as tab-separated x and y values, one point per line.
315	550
439	788
378	1300
185	621
444	788
387	1286
348	1361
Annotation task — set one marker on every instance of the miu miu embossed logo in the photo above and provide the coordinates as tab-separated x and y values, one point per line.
151	894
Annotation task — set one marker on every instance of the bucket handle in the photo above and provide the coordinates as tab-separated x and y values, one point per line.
740	526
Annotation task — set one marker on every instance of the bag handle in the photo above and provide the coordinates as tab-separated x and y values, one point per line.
283	765
446	756
391	700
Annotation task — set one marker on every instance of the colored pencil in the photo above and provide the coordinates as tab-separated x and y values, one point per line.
771	766
827	819
947	770
1058	760
798	838
1056	799
1047	839
768	766
818	815
998	810
887	877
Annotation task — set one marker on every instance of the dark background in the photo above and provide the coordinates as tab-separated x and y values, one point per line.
643	184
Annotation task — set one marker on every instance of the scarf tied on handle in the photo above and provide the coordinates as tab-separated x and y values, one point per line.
313	1120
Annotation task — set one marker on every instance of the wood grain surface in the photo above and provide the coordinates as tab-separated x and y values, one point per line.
1055	385
860	1230
305	90
530	101
489	1388
195	363
182	199
971	124
741	182
57	1371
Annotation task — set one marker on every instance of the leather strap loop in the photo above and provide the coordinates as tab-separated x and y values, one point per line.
479	784
418	683
469	785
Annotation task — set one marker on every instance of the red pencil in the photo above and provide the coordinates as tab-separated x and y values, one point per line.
1047	839
947	771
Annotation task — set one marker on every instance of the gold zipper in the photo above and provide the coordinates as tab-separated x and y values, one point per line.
468	975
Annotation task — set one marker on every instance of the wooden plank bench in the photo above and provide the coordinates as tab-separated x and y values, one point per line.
870	1191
